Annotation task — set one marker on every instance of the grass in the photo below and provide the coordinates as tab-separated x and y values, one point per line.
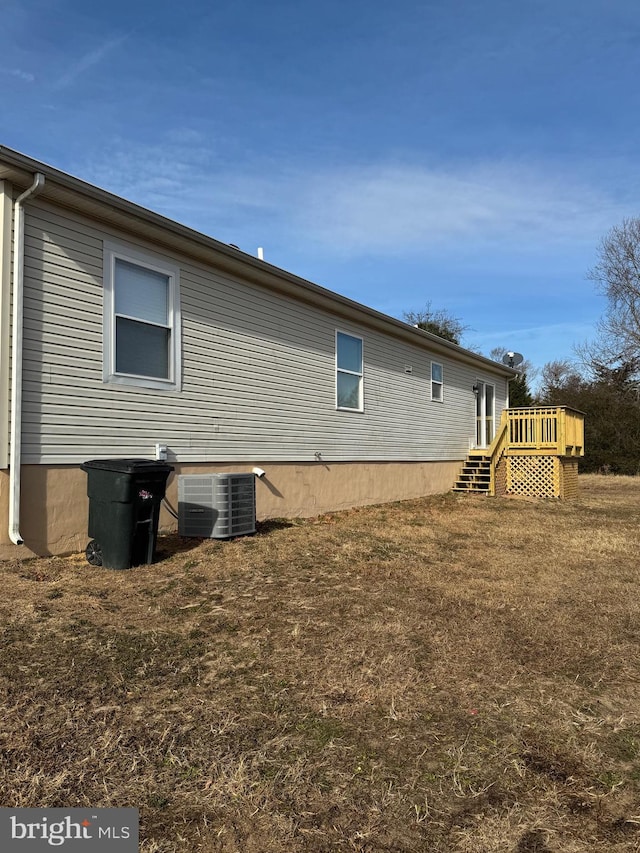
445	674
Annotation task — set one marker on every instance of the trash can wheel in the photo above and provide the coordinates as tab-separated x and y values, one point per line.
94	553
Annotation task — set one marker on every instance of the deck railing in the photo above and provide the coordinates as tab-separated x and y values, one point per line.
554	431
557	430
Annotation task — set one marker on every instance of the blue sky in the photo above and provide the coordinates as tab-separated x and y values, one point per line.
467	154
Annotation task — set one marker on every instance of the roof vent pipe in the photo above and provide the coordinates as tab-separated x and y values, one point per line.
15	453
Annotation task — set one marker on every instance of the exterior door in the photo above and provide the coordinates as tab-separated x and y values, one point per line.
485	414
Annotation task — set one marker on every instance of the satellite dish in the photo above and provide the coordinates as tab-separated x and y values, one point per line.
512	359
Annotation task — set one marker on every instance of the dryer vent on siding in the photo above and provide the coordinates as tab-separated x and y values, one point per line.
216	506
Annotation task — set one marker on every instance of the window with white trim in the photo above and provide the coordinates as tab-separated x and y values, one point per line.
437	382
349	372
141	319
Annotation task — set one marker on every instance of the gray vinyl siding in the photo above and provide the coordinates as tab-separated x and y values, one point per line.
258	371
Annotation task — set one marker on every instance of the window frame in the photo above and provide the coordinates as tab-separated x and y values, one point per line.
437	383
113	252
359	374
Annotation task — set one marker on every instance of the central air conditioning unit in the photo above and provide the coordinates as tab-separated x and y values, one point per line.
216	506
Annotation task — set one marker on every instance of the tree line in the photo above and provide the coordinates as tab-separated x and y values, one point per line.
603	380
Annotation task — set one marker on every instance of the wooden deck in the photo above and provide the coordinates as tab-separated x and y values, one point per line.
534	454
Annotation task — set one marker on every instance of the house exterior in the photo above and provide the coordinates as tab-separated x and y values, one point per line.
122	330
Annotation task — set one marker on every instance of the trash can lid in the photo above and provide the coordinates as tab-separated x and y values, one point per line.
126	466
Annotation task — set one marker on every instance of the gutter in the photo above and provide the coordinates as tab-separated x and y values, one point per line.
15	453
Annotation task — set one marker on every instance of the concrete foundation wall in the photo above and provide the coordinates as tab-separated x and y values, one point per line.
54	504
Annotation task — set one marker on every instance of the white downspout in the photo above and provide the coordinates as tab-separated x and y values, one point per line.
15	453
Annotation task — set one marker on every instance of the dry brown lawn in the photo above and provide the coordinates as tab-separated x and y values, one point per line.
445	674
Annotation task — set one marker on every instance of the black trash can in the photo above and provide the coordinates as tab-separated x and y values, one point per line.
124	507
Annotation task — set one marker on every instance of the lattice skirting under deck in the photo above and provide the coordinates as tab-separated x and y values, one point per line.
537	477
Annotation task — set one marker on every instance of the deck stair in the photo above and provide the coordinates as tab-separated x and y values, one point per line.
475	476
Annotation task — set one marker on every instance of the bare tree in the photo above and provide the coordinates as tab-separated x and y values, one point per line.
558	379
439	322
617	274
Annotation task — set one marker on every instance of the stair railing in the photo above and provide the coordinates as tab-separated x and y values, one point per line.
497	449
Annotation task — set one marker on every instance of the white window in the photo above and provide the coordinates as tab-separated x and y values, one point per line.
349	372
437	382
141	319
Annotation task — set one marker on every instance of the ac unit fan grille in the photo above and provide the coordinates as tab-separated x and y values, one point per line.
216	506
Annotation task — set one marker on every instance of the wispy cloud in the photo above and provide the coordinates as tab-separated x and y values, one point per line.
377	209
93	57
407	208
533	341
26	76
571	330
